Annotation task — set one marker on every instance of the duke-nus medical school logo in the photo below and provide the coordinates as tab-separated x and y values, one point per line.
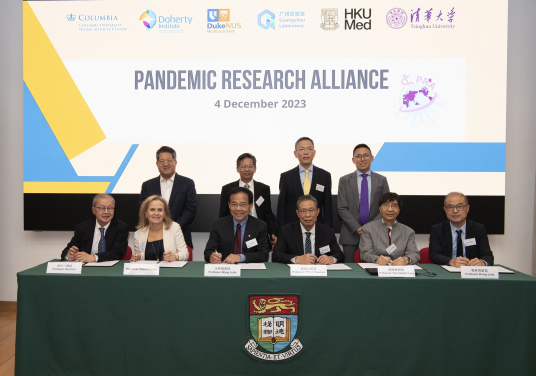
218	15
273	327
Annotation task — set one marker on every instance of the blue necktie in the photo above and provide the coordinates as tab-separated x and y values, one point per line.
363	201
459	245
308	243
102	241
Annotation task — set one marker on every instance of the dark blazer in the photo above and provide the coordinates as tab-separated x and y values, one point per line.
221	239
116	239
441	243
264	211
182	202
290	243
290	189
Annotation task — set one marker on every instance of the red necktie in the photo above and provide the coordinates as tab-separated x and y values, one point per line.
389	235
237	240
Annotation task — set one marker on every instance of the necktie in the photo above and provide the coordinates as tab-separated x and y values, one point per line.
308	243
306	183
102	241
389	235
238	240
363	201
459	245
246	186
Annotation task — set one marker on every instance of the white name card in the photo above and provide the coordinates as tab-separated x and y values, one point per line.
64	267
406	271
222	270
308	270
136	268
489	272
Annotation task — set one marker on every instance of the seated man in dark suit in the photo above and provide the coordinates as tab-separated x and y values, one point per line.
246	166
177	190
307	241
103	238
238	237
305	179
459	241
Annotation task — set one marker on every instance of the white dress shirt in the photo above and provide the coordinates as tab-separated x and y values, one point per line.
252	189
166	186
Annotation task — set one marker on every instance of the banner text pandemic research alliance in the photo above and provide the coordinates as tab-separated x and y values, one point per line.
260	79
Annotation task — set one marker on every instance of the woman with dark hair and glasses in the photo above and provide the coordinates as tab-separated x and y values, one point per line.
386	241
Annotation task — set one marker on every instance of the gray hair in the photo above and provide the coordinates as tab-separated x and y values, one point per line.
102	195
456	193
306	198
303	139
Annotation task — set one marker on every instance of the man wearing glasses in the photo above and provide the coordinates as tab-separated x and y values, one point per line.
246	166
358	198
103	238
305	179
238	237
307	241
177	190
459	241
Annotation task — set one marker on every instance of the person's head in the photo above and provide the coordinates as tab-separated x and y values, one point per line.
240	203
154	210
390	205
304	150
307	210
456	207
246	166
103	208
362	157
166	161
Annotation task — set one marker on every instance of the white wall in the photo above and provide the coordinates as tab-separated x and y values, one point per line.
20	250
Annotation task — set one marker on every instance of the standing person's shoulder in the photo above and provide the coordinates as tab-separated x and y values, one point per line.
374	173
152	180
262	186
290	172
183	178
231	185
320	170
348	176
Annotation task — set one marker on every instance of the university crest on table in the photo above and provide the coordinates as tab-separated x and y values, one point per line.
273	327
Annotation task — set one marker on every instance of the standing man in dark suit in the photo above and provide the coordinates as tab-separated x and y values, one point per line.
305	179
246	166
103	238
356	209
238	237
179	191
459	241
307	241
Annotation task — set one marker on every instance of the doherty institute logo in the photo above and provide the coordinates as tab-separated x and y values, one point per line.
273	327
148	18
166	24
219	21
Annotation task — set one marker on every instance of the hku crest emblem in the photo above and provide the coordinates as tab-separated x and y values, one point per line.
273	327
329	18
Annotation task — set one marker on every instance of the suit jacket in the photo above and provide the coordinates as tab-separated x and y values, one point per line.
290	189
264	210
116	238
222	235
182	202
348	202
375	240
173	241
441	243
290	243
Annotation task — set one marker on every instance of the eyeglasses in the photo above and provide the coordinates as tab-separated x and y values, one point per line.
162	161
241	205
309	149
247	166
364	156
102	209
305	211
457	207
392	206
425	272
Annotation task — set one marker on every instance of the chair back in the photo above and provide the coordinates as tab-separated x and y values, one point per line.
128	254
425	256
190	257
357	256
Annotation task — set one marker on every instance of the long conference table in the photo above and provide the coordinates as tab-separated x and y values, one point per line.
349	323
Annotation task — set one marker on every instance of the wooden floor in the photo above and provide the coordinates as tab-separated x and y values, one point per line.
8	320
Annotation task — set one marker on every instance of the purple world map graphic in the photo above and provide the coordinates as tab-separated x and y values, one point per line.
416	97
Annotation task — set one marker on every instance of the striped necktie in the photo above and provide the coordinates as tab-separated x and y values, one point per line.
308	243
102	241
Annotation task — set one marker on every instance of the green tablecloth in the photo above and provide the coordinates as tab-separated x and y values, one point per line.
351	323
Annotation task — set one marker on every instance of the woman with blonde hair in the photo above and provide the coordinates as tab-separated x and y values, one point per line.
158	237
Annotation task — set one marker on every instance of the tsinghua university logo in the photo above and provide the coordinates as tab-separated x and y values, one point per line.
273	327
396	18
330	17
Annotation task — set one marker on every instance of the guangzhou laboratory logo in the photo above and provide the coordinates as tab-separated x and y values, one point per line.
266	19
